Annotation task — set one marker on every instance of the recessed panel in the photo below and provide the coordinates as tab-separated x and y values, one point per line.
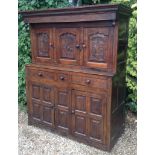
36	110
42	44
36	91
63	98
48	94
67	45
80	103
96	129
63	118
97	47
80	124
47	114
96	106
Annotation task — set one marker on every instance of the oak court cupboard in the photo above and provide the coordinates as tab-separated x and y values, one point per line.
75	84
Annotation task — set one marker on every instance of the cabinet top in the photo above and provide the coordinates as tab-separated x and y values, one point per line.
77	14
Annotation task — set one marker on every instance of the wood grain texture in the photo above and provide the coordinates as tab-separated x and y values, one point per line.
76	82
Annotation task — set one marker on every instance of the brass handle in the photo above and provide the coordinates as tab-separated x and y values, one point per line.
40	74
62	78
88	81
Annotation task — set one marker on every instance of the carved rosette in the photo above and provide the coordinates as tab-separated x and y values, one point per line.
43	44
67	45
97	47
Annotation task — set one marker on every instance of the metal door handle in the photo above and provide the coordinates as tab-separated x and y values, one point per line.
73	112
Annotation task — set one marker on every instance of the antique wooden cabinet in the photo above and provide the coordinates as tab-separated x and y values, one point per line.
76	82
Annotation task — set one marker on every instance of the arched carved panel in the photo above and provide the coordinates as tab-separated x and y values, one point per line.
97	47
67	45
43	44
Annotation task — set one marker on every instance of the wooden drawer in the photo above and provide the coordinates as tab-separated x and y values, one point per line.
89	81
42	74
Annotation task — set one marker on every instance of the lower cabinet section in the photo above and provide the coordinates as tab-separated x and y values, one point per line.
69	111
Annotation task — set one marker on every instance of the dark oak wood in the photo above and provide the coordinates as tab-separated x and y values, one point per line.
75	85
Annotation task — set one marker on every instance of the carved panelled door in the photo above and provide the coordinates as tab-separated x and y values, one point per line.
68	50
96	120
97	47
88	116
41	103
42	45
79	114
62	117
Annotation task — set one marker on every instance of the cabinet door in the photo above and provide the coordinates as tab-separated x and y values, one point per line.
62	116
96	122
42	45
41	103
68	45
79	114
97	49
88	116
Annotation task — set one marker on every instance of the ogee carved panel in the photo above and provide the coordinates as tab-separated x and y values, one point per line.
43	44
97	47
67	45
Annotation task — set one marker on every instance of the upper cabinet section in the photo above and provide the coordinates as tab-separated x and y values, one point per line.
80	37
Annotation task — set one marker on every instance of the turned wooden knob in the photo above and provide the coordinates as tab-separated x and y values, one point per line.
88	81
40	74
62	78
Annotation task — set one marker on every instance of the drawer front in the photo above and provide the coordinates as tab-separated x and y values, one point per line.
89	81
42	74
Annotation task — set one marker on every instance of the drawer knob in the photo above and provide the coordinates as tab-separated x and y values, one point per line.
40	74
88	81
62	78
